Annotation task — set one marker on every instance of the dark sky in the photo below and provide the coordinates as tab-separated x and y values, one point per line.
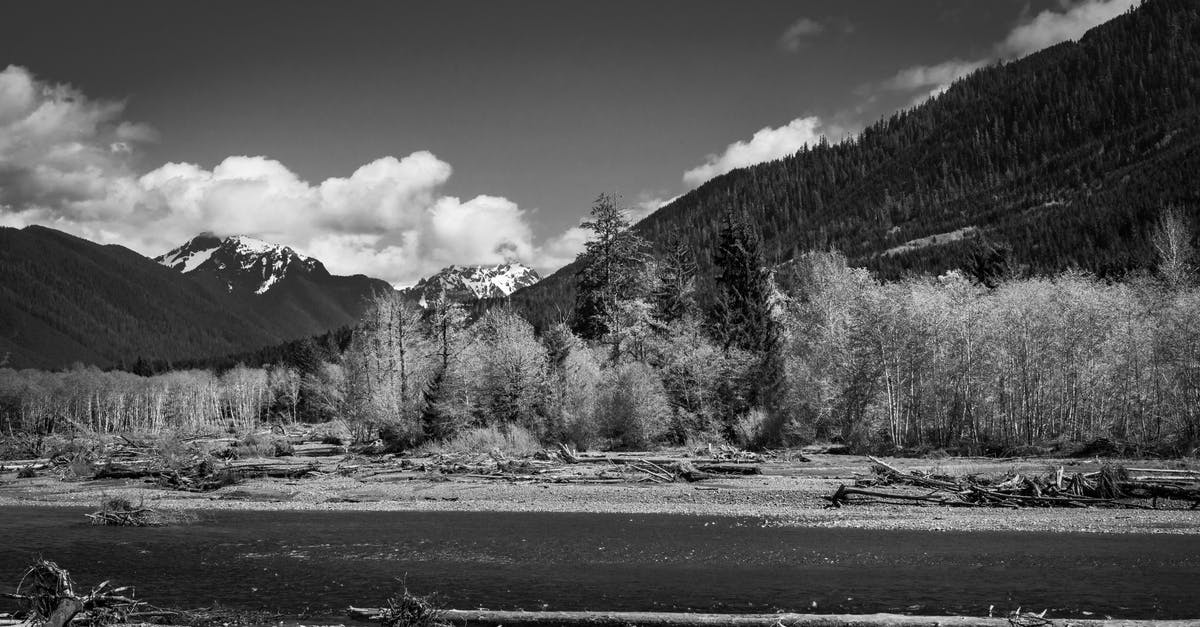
545	103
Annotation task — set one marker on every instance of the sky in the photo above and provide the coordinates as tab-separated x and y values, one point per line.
394	138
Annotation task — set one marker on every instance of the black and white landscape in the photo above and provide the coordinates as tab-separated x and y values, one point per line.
661	313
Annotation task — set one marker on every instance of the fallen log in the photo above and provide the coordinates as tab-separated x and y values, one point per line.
838	498
730	468
318	450
679	619
1158	490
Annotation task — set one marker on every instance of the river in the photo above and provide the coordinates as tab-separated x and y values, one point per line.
296	562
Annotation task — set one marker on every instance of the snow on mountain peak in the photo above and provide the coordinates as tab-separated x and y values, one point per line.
241	262
467	283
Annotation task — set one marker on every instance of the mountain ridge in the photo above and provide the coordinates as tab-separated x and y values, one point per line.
470	283
64	299
1065	158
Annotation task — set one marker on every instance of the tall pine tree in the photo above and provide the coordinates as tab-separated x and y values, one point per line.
611	270
741	313
675	285
741	318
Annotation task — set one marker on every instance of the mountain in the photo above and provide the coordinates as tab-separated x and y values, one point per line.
1063	158
64	299
467	284
296	293
244	264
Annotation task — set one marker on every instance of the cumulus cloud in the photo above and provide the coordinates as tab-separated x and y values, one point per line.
798	33
1052	27
1046	29
62	154
925	76
646	204
66	162
766	145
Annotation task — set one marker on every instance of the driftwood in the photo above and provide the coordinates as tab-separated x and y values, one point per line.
564	465
1110	487
678	619
48	594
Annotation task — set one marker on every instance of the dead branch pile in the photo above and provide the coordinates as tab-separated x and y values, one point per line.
564	465
199	463
48	597
1110	486
120	512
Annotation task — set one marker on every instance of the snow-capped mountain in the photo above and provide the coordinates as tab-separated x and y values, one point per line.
471	283
241	263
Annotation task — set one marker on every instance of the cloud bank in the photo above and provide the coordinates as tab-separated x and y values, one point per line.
67	161
1042	31
767	144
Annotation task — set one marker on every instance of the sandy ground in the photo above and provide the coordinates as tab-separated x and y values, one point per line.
788	493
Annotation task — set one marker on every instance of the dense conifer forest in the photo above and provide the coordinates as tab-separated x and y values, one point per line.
1062	160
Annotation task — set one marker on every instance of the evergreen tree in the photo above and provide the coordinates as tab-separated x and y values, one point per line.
741	314
610	271
440	417
742	319
675	285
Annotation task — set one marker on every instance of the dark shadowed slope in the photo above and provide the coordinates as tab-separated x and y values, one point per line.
64	299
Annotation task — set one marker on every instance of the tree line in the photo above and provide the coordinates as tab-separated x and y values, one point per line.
985	361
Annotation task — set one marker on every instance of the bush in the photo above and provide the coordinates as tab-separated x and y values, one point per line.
753	429
398	438
511	440
632	409
264	445
410	610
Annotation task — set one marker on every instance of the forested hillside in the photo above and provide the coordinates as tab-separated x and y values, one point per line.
64	299
1061	159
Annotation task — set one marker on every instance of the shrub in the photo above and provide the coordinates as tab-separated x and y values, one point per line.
632	410
398	438
264	445
409	610
511	440
172	450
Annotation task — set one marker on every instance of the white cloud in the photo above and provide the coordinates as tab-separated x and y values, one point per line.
562	249
798	33
1051	27
1046	29
65	162
766	145
924	76
61	153
646	204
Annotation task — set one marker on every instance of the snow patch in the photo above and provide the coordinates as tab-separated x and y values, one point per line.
932	240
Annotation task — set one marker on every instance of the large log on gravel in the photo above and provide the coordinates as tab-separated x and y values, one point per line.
318	450
730	468
674	619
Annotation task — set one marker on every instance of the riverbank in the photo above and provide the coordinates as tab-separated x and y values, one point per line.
788	493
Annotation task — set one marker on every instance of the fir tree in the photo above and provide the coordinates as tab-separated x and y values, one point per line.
610	270
741	314
675	285
742	319
446	323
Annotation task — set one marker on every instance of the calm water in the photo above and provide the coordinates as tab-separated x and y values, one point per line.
293	562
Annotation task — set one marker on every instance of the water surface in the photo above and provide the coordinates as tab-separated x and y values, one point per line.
296	562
